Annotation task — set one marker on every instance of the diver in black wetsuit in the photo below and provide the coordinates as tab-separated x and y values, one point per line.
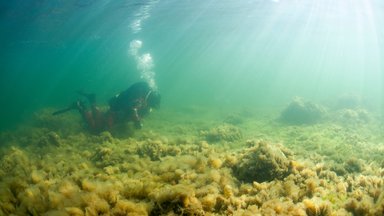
134	103
130	105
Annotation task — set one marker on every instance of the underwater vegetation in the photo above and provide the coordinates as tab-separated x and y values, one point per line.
300	111
225	132
262	162
177	165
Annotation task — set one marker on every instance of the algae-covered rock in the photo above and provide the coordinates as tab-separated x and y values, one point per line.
50	138
349	116
354	165
176	200
156	149
225	132
263	162
300	111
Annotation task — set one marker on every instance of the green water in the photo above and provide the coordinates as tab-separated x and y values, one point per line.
257	53
269	107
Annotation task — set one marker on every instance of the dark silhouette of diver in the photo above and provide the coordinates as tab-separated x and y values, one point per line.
130	105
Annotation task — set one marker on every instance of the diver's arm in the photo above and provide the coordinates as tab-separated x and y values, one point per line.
136	119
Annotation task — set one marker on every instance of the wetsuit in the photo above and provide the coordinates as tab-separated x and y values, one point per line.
130	105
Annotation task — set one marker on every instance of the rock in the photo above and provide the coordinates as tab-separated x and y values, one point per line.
302	112
225	132
349	116
263	162
51	138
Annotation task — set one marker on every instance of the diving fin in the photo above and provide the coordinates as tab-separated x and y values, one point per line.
76	105
58	112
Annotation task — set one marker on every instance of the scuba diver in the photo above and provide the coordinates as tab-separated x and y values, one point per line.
130	105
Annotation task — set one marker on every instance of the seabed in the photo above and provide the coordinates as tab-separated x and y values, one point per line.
195	161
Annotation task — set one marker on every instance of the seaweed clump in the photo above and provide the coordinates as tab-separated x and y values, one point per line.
156	149
349	116
302	112
262	163
313	209
51	138
354	165
176	200
225	132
